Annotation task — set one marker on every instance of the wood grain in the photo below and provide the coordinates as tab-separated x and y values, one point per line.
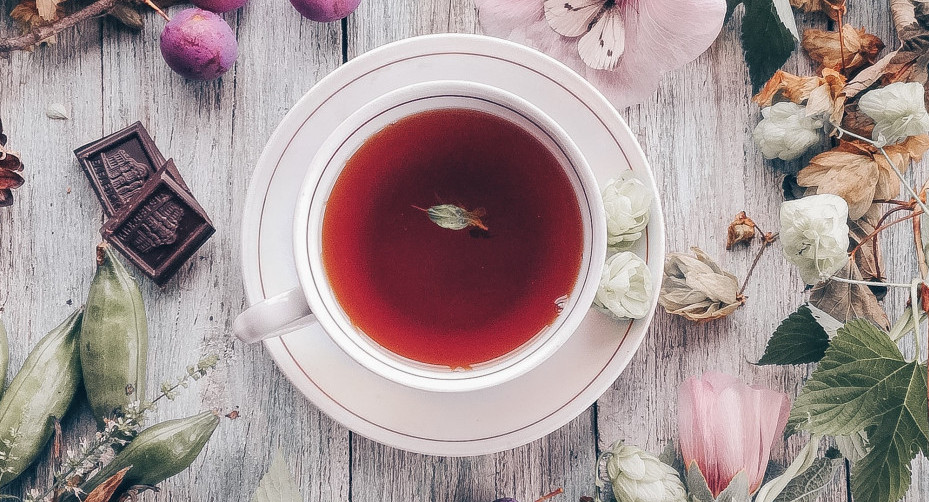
696	132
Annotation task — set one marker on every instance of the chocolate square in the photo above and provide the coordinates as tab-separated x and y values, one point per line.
159	229
120	164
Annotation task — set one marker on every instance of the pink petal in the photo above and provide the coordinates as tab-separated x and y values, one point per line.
499	18
697	400
727	427
661	35
773	409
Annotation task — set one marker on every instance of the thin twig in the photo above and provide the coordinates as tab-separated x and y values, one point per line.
914	309
873	235
869	283
39	33
842	42
157	9
766	241
559	491
893	201
918	239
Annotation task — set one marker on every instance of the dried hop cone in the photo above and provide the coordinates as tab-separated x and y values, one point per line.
639	476
696	288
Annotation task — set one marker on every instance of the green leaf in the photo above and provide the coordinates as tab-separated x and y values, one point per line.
737	491
769	37
807	486
799	339
806	457
850	389
863	382
278	484
884	475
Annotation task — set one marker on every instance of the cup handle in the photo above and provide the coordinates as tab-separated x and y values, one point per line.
273	317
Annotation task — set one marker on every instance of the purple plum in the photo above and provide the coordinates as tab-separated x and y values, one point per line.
219	5
198	44
325	11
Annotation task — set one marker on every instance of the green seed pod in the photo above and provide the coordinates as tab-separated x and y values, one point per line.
4	355
159	452
114	339
42	389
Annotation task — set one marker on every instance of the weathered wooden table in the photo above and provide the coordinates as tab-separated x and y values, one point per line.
696	132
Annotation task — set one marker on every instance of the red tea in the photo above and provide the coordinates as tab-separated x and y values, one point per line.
444	296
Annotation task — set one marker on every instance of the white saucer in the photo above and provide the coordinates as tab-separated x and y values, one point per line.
451	424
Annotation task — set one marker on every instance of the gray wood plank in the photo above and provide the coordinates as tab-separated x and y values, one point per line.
47	236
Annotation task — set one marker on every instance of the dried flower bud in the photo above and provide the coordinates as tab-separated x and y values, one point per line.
697	289
898	110
625	286
786	132
627	202
742	229
639	476
10	178
814	232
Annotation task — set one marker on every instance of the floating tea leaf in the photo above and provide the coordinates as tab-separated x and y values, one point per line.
453	217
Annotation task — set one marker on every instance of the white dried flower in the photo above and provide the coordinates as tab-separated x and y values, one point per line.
625	286
627	202
898	110
786	132
814	233
638	476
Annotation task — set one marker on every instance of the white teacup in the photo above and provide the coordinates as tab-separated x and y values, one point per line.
314	301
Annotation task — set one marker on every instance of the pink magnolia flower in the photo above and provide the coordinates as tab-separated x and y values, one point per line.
727	427
659	36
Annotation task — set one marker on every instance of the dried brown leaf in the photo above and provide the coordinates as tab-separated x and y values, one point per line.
127	14
784	86
829	98
26	13
830	8
741	230
868	257
857	121
105	491
48	9
869	76
858	173
846	302
821	95
861	48
851	175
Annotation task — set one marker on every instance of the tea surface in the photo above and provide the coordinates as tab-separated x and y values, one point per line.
442	296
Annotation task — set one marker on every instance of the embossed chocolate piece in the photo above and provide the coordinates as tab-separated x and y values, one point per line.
160	228
120	164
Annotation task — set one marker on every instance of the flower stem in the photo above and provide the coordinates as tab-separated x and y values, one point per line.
157	9
766	241
869	283
550	495
914	309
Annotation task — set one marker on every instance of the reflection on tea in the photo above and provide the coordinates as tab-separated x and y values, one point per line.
450	236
